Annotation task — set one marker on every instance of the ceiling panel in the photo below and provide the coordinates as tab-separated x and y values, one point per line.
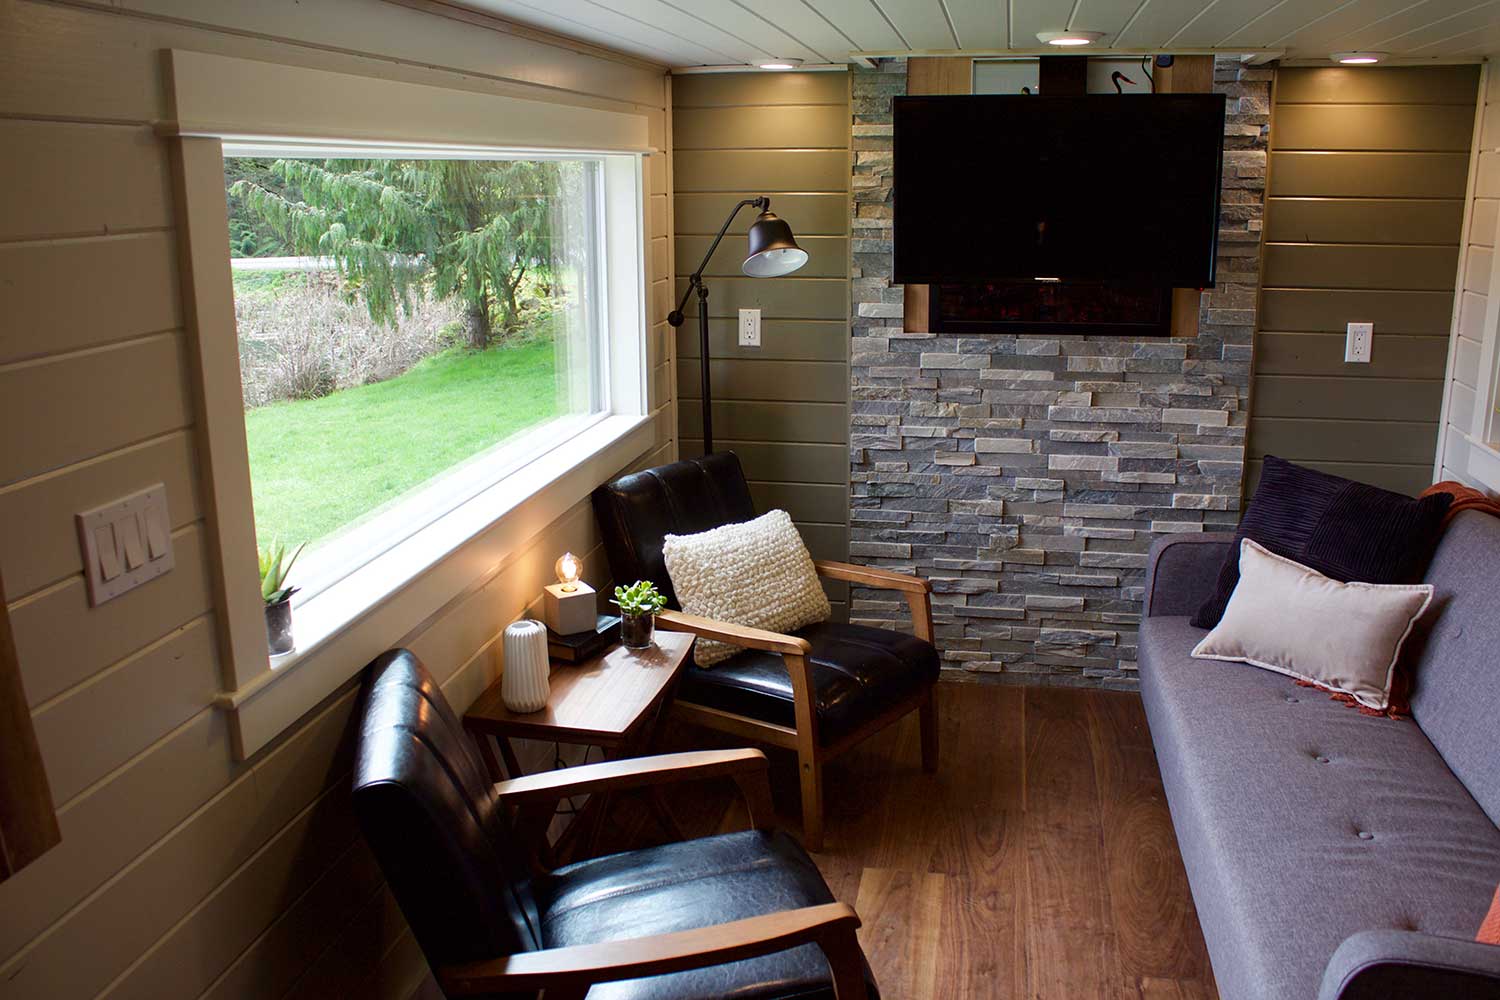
1426	22
1221	19
862	21
920	22
1108	16
980	24
591	23
685	33
1274	26
741	21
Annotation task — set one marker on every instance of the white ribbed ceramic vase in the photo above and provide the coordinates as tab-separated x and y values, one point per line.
523	685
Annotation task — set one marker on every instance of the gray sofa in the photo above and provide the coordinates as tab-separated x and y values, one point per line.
1333	855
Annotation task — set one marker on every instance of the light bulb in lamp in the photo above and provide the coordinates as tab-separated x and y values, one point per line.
568	570
568	606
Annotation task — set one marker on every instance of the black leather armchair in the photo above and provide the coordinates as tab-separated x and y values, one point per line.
818	691
741	914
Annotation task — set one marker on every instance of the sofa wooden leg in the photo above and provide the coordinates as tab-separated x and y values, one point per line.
929	719
812	801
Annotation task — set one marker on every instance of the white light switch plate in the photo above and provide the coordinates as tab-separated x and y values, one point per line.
125	543
1357	342
749	327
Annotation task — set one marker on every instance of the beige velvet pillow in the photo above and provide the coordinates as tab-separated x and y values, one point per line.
756	573
1288	618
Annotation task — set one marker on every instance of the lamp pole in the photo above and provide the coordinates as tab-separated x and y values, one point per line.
773	252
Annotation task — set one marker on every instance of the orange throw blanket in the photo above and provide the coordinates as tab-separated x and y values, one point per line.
1464	499
1489	931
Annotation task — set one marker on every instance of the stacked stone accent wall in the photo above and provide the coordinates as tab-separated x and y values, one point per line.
1026	476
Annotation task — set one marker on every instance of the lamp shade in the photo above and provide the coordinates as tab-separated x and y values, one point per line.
773	250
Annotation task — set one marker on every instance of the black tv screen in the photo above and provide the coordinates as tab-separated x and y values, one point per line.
1103	187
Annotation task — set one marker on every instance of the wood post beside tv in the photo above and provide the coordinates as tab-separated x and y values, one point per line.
931	75
1186	75
1059	75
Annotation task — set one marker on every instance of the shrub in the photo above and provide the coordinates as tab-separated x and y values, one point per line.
300	337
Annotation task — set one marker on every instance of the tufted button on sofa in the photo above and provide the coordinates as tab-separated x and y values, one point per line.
1333	854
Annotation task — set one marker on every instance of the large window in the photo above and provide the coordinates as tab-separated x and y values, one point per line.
411	331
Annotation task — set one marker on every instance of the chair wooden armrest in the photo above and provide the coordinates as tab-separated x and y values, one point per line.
746	766
569	972
735	635
870	576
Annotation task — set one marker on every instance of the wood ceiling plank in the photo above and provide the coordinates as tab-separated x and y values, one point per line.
601	26
1220	19
920	22
1434	34
1027	17
1325	34
1157	21
862	21
765	36
1108	16
809	27
1272	26
980	24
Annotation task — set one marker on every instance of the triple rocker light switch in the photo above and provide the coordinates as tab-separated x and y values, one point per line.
125	543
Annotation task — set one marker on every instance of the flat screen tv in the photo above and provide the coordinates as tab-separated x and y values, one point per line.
1103	187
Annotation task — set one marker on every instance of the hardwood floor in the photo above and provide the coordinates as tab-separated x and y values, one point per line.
1039	863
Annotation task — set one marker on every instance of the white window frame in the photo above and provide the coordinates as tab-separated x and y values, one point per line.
330	566
219	100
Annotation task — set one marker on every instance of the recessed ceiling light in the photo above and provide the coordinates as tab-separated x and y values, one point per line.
1069	37
1358	58
781	64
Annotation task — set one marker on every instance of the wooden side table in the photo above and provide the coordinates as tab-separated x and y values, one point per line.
611	701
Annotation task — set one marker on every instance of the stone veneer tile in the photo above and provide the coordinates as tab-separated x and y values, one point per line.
1026	475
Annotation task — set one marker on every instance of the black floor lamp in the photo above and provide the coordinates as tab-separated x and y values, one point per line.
773	253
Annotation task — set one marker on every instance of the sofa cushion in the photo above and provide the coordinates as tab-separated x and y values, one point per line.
857	671
1343	529
686	885
1455	695
1301	822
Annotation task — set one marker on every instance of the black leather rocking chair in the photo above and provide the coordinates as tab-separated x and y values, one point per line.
818	691
745	914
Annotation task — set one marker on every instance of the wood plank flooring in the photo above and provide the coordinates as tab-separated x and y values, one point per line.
1039	863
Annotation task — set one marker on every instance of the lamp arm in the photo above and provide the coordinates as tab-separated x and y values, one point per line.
696	279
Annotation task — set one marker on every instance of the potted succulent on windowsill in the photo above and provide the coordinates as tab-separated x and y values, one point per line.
638	604
275	567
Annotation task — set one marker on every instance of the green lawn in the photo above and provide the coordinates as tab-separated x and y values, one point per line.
318	464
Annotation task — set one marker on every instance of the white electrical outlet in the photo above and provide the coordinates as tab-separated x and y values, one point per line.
1357	342
749	327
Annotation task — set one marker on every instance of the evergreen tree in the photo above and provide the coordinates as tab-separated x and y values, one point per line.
472	228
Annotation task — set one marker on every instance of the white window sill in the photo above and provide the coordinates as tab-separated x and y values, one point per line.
347	625
1483	463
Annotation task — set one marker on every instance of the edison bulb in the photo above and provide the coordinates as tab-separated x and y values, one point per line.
568	569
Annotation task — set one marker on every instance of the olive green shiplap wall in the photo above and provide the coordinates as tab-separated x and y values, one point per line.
784	407
1363	218
182	872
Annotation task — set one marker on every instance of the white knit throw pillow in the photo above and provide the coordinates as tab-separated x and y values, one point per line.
756	573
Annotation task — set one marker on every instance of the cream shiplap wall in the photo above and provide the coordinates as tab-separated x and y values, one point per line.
783	407
183	873
1457	458
1364	215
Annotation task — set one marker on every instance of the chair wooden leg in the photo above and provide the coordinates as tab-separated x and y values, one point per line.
812	800
929	720
846	962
